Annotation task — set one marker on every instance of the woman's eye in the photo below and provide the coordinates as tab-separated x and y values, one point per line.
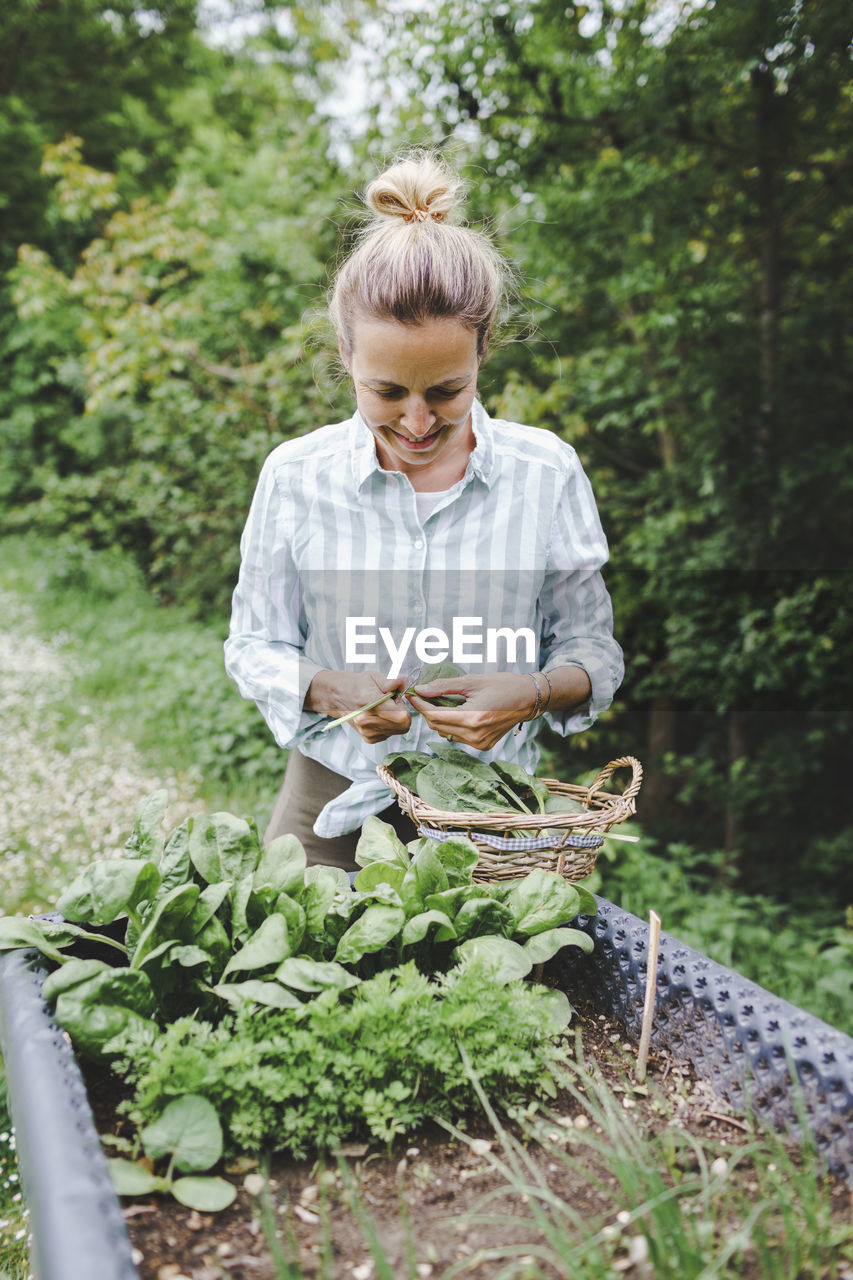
436	393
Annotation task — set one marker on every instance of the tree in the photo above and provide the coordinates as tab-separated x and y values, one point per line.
148	383
105	72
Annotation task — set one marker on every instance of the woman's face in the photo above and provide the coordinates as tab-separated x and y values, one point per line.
414	386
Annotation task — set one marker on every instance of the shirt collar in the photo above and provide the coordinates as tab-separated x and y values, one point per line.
481	462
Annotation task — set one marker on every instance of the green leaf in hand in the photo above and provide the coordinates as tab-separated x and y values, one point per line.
438	671
433	671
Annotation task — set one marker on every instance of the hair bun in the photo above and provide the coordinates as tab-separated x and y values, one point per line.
416	189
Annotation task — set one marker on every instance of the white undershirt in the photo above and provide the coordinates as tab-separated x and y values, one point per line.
427	503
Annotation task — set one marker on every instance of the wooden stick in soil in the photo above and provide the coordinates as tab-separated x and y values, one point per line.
651	990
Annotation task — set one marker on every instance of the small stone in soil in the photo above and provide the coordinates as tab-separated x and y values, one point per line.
305	1215
253	1183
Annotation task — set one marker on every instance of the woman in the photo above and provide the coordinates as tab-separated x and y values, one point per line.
371	543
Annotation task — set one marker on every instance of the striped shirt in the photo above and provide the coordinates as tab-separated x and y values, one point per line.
334	550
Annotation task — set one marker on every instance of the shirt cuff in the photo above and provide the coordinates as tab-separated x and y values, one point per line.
604	685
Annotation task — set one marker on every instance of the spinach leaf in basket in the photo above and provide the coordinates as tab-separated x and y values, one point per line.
406	765
453	779
450	787
531	792
557	802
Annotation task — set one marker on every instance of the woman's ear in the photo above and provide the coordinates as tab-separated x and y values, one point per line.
345	354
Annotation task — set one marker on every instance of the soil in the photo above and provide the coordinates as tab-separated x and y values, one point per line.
439	1203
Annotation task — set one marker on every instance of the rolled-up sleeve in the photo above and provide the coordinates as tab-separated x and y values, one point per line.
577	626
264	651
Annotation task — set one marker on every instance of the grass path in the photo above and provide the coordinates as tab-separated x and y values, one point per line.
68	789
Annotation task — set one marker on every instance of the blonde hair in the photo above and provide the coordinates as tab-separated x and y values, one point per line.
412	264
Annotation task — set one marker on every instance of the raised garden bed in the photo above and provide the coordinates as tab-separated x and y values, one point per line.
745	1044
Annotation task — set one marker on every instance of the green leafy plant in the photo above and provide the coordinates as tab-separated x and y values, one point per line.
372	1062
187	1133
450	778
221	941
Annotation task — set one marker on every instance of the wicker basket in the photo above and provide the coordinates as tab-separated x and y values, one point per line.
505	855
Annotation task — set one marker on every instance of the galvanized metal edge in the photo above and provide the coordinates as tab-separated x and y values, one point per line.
76	1224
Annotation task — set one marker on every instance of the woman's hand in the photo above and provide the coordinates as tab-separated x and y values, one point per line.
493	705
336	693
496	703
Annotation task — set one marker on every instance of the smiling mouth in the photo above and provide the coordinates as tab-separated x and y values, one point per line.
422	442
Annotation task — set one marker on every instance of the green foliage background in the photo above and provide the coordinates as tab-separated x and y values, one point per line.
674	182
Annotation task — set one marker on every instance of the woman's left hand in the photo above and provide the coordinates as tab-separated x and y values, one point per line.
493	705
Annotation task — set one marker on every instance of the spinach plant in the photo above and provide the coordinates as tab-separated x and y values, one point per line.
188	1134
206	924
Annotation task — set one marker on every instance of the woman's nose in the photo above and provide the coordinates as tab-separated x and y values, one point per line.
417	417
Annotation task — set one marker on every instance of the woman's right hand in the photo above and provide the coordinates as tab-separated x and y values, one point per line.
337	693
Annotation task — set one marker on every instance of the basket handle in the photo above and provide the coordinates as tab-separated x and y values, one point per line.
623	762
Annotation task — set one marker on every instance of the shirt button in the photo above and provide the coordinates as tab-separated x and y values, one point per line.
419	544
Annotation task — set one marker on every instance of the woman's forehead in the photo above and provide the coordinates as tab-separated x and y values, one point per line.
440	347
